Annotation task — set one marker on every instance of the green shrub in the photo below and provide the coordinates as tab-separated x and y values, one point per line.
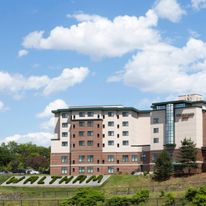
15	180
79	178
95	178
170	199
66	179
31	179
196	196
141	196
41	181
85	197
118	201
190	194
54	178
136	199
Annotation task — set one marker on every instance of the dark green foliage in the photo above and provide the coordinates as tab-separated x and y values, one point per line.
163	167
31	179
54	178
187	155
79	178
15	180
95	178
66	180
85	197
118	201
41	181
15	156
136	199
196	196
170	199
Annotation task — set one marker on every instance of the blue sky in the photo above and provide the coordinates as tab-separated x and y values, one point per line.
75	52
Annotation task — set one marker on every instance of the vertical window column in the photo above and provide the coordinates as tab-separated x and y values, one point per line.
169	139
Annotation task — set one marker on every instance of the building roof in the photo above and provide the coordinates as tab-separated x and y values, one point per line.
101	108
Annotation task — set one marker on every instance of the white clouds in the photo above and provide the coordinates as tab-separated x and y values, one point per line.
22	53
39	138
167	69
68	78
169	9
17	84
56	104
198	4
98	36
47	114
2	107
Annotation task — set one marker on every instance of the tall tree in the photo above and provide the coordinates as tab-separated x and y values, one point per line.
188	155
163	167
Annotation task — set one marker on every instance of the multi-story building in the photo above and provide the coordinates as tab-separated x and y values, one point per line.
115	139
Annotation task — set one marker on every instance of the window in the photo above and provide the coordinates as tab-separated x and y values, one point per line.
73	145
161	107
81	133
81	158
89	123
125	133
125	142
143	157
64	134
81	143
82	114
154	157
118	126
90	114
155	140
98	126
73	135
65	115
73	125
64	159
125	124
125	114
110	170
111	142
73	116
134	158
90	133
64	144
64	170
118	145
81	169
181	105
110	123
81	123
110	158
90	169
111	114
90	158
64	125
155	120
155	130
90	143
125	158
110	133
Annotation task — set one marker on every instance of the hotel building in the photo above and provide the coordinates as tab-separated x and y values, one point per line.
118	139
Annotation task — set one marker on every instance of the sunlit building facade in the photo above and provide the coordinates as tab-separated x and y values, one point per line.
118	139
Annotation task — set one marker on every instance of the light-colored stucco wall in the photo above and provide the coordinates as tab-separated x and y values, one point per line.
190	127
161	125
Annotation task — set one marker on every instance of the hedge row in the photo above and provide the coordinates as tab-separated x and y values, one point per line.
65	179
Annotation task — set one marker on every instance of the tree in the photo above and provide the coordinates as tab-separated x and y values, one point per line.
163	167
187	155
